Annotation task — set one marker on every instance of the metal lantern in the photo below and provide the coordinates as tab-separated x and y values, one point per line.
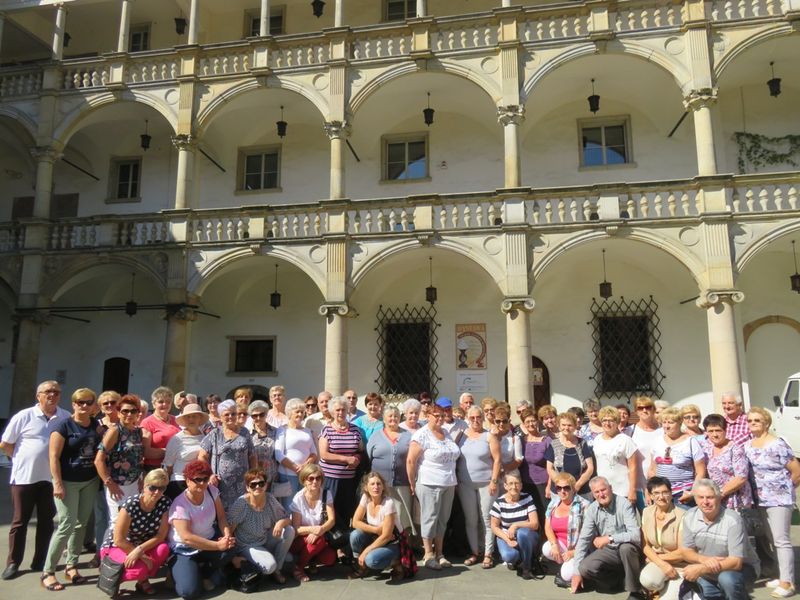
774	84
594	100
427	113
275	297
605	286
145	138
795	279
281	125
131	306
317	6
180	25
430	291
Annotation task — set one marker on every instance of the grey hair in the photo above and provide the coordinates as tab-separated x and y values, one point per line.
599	479
391	409
162	390
736	397
707	483
411	404
477	409
256	405
591	405
466	395
661	404
338	402
523	404
294	404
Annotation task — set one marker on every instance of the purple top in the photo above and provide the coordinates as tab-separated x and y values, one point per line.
773	482
534	465
729	463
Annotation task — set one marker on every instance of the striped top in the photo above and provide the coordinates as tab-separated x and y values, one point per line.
347	443
512	512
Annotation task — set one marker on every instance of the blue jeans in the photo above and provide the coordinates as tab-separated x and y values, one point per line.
294	482
379	558
527	540
729	585
188	571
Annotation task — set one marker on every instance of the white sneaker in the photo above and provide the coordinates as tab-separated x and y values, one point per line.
782	592
773	583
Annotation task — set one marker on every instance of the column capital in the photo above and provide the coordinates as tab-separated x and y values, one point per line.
180	312
185	141
709	298
32	315
523	303
337	130
341	309
702	98
513	114
45	153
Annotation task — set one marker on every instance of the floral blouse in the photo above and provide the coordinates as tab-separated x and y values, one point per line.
773	482
729	463
126	458
264	447
230	460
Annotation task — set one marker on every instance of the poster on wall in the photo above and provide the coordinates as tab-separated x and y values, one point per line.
471	346
475	382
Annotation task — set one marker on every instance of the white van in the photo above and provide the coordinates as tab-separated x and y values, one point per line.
786	420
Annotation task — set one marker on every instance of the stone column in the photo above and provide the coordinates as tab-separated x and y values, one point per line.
422	8
510	117
723	349
338	15
124	26
45	157
518	348
700	102
26	366
506	3
173	372
193	24
263	26
336	316
337	132
58	32
2	26
184	187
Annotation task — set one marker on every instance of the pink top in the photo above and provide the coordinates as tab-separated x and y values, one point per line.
560	526
161	433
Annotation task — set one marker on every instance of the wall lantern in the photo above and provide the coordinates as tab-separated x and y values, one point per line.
605	287
275	297
317	6
130	306
145	138
68	37
594	100
430	291
180	25
281	125
774	84
795	279
427	113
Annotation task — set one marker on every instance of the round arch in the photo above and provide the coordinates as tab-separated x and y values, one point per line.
764	242
751	327
748	43
20	123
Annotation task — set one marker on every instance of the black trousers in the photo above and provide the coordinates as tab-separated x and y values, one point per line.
599	565
25	498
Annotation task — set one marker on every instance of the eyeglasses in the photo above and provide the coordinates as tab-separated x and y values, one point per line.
110	403
661	493
130	411
563	488
501	421
314	478
608	421
156	488
84	402
351	397
755	420
200	480
257	484
474	417
258	415
56	392
645	408
311	406
426	402
691	417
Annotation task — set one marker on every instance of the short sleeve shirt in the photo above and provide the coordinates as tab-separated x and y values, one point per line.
29	431
202	516
611	460
309	516
80	446
386	508
773	483
144	525
438	463
161	433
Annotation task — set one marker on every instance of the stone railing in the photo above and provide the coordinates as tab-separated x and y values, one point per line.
292	54
225	60
155	67
82	73
20	83
760	193
12	237
639	15
736	10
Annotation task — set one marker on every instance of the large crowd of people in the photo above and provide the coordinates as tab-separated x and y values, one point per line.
231	492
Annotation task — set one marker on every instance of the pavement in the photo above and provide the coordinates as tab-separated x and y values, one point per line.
457	583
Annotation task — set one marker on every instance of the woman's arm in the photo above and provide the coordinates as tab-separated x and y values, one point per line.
222	519
56	448
551	473
497	465
498	531
121	528
633	471
109	441
414	451
555	551
341	459
184	529
385	535
360	523
150	452
794	471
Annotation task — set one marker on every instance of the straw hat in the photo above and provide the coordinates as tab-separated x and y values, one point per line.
191	409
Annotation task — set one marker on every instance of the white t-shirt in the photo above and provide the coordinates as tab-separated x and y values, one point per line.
437	465
29	431
296	444
201	517
181	449
644	441
308	516
611	460
386	508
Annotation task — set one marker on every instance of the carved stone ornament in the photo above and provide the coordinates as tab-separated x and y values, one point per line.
45	153
180	312
511	114
697	99
525	304
39	317
709	298
184	142
337	308
337	129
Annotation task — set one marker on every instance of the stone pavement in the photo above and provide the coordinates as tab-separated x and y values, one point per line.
458	583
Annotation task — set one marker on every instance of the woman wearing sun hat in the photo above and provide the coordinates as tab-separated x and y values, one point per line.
184	447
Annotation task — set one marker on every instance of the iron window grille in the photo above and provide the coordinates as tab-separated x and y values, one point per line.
407	350
627	348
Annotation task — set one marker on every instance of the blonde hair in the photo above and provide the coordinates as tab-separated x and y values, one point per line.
609	412
502	410
670	414
564	477
547	411
643	401
488	402
156	477
82	393
690	409
764	413
309	469
568	416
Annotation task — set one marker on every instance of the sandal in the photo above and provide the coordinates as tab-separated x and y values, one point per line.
488	563
76	578
300	575
145	588
51	587
472	559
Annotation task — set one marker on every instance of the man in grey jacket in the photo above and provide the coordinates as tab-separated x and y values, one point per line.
609	541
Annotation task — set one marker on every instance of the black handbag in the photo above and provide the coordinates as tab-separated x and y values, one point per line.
109	577
337	538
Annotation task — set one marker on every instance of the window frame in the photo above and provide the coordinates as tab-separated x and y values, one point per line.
603	122
140	28
232	342
412	4
404	138
241	163
113	179
252	20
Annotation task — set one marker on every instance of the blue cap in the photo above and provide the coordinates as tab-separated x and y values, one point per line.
444	402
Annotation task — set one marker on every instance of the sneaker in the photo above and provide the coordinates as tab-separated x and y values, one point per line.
782	592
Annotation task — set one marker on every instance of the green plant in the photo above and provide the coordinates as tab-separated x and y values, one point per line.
761	150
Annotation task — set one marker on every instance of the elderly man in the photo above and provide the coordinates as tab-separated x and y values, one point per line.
737	430
26	441
609	541
451	425
319	419
353	412
715	545
466	401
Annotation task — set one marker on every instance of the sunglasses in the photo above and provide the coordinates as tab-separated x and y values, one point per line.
200	480
645	408
258	415
754	421
108	404
129	411
501	421
313	478
256	484
563	488
311	406
156	488
84	402
426	402
691	418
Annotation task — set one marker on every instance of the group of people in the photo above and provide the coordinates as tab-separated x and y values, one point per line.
243	485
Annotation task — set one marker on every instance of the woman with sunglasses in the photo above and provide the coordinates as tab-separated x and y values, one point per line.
690	413
488	405
138	539
262	527
264	437
72	446
313	515
230	452
184	447
510	444
563	519
411	410
196	519
310	404
108	403
644	433
294	448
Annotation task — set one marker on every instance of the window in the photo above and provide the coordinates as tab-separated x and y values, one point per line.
405	157
605	142
792	395
250	354
62	206
252	20
126	176
400	10
259	169
139	39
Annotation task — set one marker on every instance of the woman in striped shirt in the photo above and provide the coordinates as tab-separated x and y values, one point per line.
515	525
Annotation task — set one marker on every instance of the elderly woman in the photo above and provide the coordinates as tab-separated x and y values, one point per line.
478	471
294	449
387	451
690	414
138	539
677	456
548	417
515	524
264	438
488	405
184	447
624	419
510	444
373	538
660	405
277	415
431	466
411	409
310	404
522	406
199	553
261	526
183	398
313	515
108	402
534	465
616	455
661	537
570	454
72	447
593	427
161	425
563	519
777	475
372	421
214	420
644	434
120	456
727	464
426	402
230	452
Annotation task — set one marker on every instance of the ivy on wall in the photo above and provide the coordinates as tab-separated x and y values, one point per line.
761	150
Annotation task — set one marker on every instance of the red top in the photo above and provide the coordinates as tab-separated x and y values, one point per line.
160	433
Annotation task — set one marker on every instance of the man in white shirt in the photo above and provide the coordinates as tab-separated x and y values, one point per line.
319	419
451	425
466	401
26	440
353	412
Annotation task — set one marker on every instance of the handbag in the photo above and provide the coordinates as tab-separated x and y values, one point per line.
109	576
337	538
407	558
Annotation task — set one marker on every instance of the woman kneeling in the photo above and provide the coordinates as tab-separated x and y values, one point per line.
373	538
515	524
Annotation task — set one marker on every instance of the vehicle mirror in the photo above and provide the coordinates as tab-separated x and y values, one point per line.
777	401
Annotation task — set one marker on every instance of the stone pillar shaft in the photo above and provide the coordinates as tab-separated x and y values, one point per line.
184	186
337	132
193	24
338	15
335	347
422	8
518	348
700	102
45	159
263	28
511	117
722	343
26	367
58	32
124	26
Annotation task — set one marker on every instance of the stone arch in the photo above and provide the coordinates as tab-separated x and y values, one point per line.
21	123
764	241
750	328
444	66
206	116
677	72
750	42
74	119
204	276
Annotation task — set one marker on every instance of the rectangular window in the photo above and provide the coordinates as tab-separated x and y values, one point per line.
126	176
139	39
405	158
399	10
605	142
253	22
259	169
251	355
